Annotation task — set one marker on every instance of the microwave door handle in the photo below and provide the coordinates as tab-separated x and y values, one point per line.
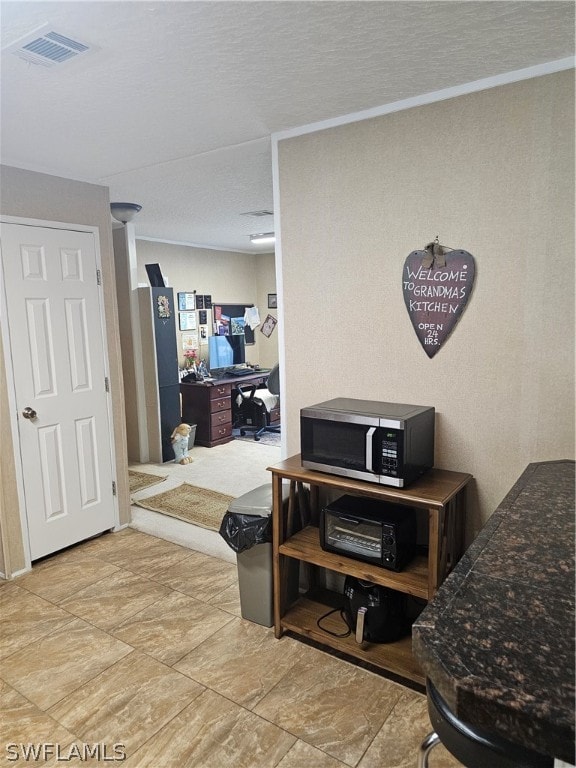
369	436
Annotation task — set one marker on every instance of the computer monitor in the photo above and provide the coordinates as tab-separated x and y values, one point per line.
238	344
220	354
225	352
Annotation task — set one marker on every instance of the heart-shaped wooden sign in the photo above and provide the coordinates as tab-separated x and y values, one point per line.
437	284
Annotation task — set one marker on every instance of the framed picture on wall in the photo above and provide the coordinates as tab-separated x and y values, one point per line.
189	340
272	301
186	302
268	326
187	321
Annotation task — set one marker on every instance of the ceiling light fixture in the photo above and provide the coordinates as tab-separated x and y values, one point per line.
258	214
263	238
124	212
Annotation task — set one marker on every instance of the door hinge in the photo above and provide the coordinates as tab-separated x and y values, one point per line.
107	383
113	487
98	277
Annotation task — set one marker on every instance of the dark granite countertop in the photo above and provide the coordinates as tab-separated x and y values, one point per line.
498	639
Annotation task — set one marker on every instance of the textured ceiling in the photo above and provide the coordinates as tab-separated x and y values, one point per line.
176	107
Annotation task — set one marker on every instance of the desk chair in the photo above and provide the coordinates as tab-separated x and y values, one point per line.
472	746
257	408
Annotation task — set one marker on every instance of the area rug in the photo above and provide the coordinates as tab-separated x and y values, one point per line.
266	438
140	480
199	506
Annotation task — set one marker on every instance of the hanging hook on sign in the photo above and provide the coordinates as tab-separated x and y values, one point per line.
435	254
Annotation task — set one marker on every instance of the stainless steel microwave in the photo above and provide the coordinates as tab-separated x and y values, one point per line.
385	443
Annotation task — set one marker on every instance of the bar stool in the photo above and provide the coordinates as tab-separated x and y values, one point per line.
473	747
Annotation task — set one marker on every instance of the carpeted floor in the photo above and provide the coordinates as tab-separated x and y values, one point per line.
190	503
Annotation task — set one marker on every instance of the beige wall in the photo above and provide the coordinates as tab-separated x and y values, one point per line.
266	283
228	277
492	173
124	250
50	198
12	547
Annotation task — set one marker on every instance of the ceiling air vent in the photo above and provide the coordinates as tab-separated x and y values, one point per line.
47	47
258	214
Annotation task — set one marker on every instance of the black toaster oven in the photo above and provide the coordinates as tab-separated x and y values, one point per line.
371	530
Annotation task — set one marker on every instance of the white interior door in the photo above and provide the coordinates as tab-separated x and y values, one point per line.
55	329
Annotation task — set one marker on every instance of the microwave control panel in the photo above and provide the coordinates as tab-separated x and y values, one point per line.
391	453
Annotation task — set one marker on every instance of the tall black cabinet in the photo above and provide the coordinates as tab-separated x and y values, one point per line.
166	366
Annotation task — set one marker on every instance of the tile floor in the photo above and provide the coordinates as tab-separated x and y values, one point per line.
133	640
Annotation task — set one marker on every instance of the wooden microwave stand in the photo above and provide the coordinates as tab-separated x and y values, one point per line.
440	493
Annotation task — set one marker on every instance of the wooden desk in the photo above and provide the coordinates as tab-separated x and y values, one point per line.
497	641
439	496
209	406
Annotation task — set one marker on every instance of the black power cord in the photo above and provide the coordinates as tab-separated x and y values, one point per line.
328	631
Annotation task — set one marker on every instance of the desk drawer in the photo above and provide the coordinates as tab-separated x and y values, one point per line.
220	390
222	404
220	417
221	432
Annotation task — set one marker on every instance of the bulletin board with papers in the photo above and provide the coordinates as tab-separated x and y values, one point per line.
224	315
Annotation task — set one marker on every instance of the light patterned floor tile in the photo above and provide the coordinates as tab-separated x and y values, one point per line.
336	706
228	600
111	541
242	661
24	723
396	745
25	618
213	731
50	668
172	627
200	576
63	575
303	755
145	554
114	599
127	703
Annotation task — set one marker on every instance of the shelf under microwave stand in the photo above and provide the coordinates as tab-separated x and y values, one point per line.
371	530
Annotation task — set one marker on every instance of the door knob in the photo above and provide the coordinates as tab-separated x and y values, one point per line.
29	413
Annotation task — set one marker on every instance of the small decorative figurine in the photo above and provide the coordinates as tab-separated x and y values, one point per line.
180	444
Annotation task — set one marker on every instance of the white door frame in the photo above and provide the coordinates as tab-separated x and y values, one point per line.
11	384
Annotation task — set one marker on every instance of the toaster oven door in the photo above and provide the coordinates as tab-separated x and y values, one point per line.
361	539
